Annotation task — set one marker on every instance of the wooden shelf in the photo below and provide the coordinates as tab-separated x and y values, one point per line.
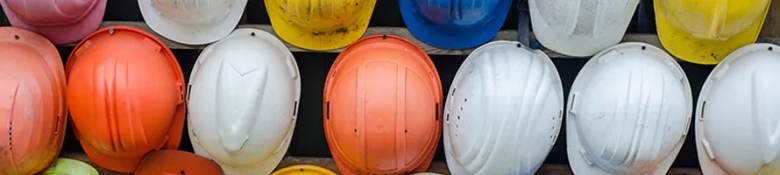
436	167
510	35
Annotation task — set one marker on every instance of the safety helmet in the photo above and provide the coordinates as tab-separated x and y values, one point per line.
243	101
382	107
61	21
320	24
33	112
628	112
192	22
705	31
457	24
516	91
303	170
580	27
176	162
126	96
66	166
736	118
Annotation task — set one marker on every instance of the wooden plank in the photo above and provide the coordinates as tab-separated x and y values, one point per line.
436	167
771	26
510	35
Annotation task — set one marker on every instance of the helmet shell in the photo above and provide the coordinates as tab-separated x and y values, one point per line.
382	107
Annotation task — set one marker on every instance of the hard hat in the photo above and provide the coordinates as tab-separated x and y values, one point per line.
176	162
303	170
33	113
382	107
192	22
320	24
705	31
61	21
580	27
736	115
457	24
628	112
243	102
65	166
518	93
126	96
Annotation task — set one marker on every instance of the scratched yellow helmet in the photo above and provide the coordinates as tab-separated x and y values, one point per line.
320	24
705	31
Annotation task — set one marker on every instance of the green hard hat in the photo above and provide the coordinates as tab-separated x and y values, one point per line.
65	166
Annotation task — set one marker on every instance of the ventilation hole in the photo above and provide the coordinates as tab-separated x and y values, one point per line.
703	106
295	108
189	86
301	169
405	131
252	34
384	36
181	172
437	112
447	119
519	45
465	100
16	37
458	117
453	91
57	125
327	106
461	108
643	47
770	48
456	126
356	130
456	135
334	73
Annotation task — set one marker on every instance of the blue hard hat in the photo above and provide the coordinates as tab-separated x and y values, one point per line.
454	24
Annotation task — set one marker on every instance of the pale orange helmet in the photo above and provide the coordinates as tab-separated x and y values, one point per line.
126	96
382	107
33	114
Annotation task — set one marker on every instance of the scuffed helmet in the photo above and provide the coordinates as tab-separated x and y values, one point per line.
33	113
628	112
243	101
382	107
517	93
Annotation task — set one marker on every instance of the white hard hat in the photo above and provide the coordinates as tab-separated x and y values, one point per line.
738	119
580	27
192	22
629	110
504	111
243	98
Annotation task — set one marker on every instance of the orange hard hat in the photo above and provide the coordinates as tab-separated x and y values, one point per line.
126	96
33	114
178	163
382	107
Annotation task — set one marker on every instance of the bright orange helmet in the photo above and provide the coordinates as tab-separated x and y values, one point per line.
382	107
125	95
33	114
170	162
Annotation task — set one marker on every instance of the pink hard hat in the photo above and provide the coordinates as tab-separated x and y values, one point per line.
60	21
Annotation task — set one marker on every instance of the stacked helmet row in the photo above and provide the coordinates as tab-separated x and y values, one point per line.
628	110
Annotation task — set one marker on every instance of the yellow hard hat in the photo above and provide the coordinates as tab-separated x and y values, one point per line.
705	31
320	24
303	170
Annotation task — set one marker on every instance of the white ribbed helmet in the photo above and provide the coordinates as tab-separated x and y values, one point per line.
738	119
628	112
580	27
504	111
192	21
243	98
